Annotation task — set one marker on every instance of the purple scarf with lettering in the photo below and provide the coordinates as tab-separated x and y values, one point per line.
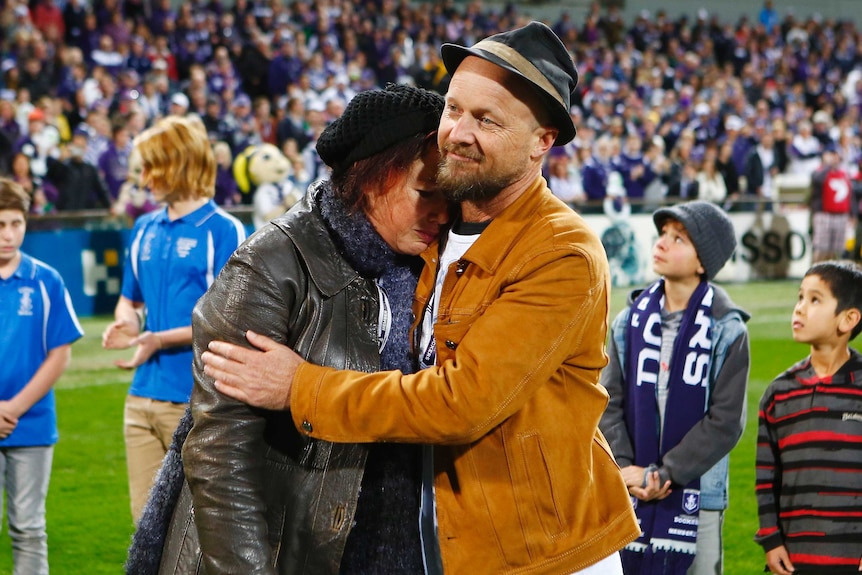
669	526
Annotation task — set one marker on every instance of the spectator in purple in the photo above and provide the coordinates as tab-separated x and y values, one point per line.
103	10
595	175
107	56
285	68
226	191
162	10
74	22
137	58
705	124
90	36
128	79
735	131
72	74
590	33
636	171
221	73
118	30
227	30
114	162
213	7
10	133
97	133
241	120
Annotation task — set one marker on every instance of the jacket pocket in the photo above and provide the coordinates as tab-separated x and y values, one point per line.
713	486
541	485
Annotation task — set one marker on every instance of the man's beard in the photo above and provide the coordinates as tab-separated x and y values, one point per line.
469	186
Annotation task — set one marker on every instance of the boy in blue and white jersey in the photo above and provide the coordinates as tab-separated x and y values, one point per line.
174	255
37	327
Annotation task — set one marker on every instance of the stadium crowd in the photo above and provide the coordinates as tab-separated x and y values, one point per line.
666	107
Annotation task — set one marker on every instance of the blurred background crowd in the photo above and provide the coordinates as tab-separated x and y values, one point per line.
667	107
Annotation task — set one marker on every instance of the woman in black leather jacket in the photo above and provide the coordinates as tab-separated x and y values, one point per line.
334	279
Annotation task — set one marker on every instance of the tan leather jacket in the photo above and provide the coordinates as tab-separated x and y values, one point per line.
525	482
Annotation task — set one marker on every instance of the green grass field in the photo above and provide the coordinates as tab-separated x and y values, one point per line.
89	522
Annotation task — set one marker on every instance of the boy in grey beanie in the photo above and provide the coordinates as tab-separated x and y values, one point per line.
679	356
708	227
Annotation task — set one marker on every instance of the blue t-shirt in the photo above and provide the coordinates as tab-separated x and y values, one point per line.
36	316
169	266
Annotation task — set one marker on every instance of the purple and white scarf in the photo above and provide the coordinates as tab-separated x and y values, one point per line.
669	526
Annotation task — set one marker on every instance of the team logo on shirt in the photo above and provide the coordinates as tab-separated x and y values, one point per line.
147	247
25	304
691	501
185	245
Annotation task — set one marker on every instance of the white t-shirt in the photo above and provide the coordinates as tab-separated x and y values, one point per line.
456	246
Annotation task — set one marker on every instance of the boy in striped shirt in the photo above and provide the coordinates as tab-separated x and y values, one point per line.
809	443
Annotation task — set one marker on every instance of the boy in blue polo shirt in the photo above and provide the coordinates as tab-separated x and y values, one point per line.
174	255
37	328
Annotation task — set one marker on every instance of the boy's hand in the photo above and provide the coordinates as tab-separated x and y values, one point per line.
120	335
148	343
633	475
8	421
653	488
778	561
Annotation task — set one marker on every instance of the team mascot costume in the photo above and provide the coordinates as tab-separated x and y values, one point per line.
264	171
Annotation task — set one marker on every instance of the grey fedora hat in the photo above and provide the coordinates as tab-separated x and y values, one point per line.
535	53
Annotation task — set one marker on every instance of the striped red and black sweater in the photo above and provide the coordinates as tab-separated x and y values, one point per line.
809	467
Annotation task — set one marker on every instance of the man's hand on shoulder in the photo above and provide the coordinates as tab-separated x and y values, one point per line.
260	377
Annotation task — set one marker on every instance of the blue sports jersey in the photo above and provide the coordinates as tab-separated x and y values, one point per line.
168	267
36	316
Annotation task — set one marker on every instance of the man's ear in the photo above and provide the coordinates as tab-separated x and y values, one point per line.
547	137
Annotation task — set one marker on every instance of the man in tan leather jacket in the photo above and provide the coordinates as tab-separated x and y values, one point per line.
512	315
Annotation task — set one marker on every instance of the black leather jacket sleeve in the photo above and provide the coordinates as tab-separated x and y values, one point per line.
223	454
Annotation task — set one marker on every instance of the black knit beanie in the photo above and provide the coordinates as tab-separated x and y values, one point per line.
709	228
375	120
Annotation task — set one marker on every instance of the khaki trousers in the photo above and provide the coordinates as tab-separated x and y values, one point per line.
148	426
